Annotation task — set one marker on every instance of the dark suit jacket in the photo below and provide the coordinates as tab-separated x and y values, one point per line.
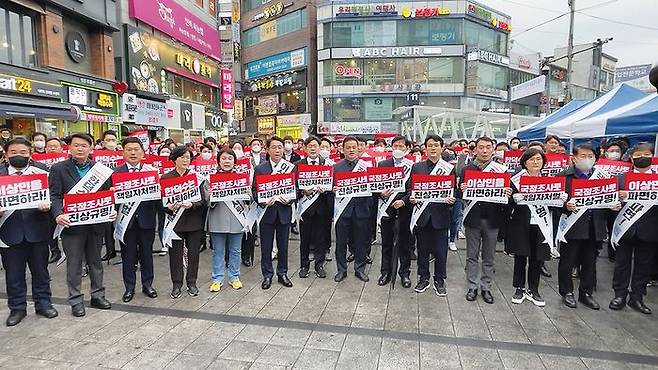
27	225
63	177
435	214
646	227
403	212
491	212
146	212
282	211
262	159
294	157
192	219
322	206
596	217
358	206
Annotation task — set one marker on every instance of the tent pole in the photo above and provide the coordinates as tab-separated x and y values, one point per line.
655	146
570	145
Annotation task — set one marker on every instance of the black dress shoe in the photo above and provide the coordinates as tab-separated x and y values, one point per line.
544	271
639	306
617	303
246	263
384	279
472	295
266	284
320	272
361	276
340	277
109	256
285	281
588	300
15	317
406	282
569	300
303	272
149	292
101	303
368	260
78	310
48	313
487	297
350	258
128	296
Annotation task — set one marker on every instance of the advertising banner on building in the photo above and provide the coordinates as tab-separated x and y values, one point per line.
227	89
349	128
275	63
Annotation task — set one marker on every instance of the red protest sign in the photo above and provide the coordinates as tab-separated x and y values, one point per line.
136	186
23	191
432	188
613	168
486	186
107	157
89	208
180	189
370	161
594	193
226	186
351	184
205	167
512	159
555	163
160	162
49	159
274	186
641	187
654	164
243	165
542	190
315	176
383	178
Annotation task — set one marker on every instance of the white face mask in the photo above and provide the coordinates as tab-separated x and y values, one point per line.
206	156
239	153
614	156
255	148
287	147
397	153
379	149
39	144
585	164
500	153
324	153
110	145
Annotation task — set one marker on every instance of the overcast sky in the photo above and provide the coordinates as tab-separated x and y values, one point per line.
633	44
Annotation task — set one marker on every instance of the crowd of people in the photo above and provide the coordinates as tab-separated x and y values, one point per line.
411	229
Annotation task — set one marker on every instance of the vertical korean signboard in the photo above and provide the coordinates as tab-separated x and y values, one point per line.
227	89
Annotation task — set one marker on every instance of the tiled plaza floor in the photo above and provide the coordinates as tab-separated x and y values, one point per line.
319	324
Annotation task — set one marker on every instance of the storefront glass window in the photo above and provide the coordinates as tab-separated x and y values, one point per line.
485	38
379	71
17	45
190	90
399	32
445	31
343	72
292	101
412	33
283	25
446	70
177	135
412	71
379	33
492	76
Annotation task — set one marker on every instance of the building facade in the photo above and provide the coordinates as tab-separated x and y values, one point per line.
376	57
57	67
278	48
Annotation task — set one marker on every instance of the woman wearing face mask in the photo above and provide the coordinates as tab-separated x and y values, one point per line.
584	238
525	240
237	149
206	152
638	244
225	232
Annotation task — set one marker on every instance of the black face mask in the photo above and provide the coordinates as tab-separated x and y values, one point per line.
642	162
448	156
18	161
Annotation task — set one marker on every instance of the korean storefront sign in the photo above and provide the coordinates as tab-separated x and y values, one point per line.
275	82
265	125
227	89
272	11
151	59
489	17
394	52
377	10
174	20
268	104
92	100
487	56
424	12
26	86
276	63
349	128
294	120
143	111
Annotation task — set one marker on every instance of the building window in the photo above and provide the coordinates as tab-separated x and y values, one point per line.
412	71
446	70
191	90
492	76
17	38
379	71
445	31
283	25
413	33
485	38
292	101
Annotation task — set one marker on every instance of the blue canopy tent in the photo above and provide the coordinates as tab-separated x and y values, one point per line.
537	130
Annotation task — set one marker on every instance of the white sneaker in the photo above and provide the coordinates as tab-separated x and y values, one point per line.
461	235
452	246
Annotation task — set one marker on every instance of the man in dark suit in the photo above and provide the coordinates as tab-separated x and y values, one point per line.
27	234
316	215
81	242
432	225
352	225
275	221
289	150
638	244
140	233
585	237
109	142
395	223
249	239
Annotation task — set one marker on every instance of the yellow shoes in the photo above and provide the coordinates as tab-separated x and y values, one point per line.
215	286
236	284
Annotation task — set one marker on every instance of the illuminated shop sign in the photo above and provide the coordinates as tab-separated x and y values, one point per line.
424	12
378	10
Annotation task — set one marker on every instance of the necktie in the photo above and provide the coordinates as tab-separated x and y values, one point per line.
19	172
313	162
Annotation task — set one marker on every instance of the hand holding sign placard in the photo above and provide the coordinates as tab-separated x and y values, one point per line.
89	208
489	187
278	187
136	186
227	186
432	188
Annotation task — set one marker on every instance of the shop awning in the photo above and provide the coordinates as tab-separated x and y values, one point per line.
33	108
